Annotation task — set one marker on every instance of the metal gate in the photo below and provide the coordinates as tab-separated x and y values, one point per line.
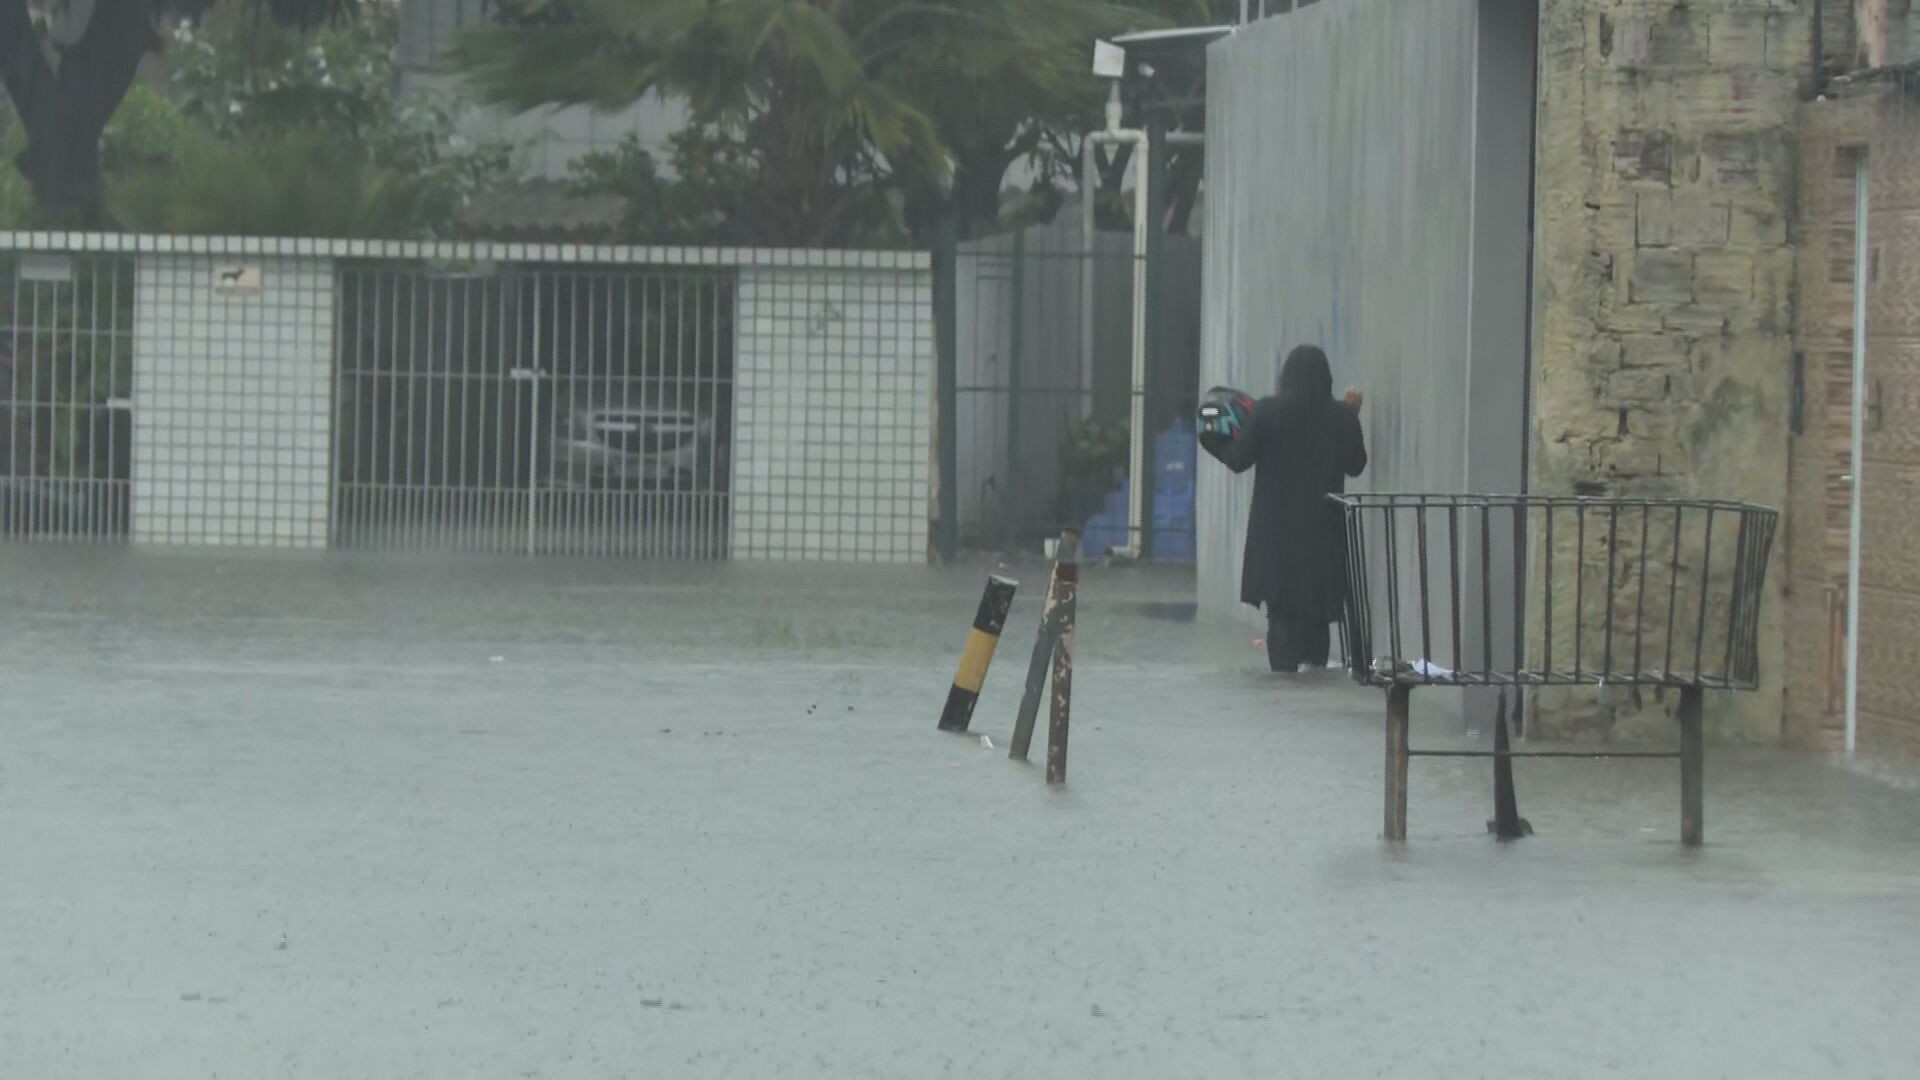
569	411
1043	397
66	431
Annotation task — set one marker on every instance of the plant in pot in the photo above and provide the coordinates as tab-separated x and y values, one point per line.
1094	463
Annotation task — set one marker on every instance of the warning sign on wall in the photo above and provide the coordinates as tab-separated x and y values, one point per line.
241	279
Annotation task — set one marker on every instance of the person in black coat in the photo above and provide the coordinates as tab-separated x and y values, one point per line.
1302	445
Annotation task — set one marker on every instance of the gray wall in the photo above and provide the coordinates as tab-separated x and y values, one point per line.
1351	205
1498	375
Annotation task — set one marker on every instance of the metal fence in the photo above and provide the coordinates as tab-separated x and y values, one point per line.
1043	387
507	398
66	345
579	411
1261	9
1629	592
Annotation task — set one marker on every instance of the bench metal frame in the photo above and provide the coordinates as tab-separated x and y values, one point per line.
1676	638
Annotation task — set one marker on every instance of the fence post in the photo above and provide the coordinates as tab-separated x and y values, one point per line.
946	310
1069	588
1011	488
981	643
1156	344
1067	555
1692	767
1398	704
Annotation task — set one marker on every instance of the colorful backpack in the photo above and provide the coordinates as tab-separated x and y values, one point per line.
1224	413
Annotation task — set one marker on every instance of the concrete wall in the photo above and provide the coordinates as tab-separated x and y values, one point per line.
1367	176
1663	281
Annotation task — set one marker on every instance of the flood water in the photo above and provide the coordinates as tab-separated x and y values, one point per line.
346	816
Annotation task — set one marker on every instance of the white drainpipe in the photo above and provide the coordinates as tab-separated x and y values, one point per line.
1115	135
1857	455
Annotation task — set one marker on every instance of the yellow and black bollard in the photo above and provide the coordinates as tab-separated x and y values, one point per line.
981	643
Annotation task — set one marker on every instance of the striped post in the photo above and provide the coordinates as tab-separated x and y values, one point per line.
981	643
1068	584
1067	555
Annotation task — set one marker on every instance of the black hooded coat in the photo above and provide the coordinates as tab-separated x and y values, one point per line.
1302	445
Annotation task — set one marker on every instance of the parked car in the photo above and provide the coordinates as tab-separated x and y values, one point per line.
636	437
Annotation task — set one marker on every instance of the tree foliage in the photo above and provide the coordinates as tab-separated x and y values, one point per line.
258	127
66	68
300	133
839	117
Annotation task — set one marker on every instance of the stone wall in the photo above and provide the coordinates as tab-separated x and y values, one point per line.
1663	271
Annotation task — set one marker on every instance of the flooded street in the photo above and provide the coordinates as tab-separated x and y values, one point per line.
358	817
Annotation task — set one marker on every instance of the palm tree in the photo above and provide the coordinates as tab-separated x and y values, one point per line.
836	103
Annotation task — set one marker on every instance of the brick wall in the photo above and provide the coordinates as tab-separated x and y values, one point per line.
232	396
1877	122
1879	33
1664	278
1890	573
1819	498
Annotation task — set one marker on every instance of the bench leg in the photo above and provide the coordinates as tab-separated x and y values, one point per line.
1398	701
1693	754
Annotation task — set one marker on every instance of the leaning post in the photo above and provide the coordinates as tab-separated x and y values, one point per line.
1693	753
1068	584
1066	555
1399	704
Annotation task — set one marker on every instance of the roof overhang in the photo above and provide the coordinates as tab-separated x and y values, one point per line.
1166	76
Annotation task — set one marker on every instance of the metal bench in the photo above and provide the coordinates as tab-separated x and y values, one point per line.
1502	594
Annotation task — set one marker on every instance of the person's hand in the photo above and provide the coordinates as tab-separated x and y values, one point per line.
1355	398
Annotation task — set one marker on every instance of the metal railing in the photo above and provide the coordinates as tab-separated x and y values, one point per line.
66	346
1251	10
1531	591
1641	592
1042	398
573	411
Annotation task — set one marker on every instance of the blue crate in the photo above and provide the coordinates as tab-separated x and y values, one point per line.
1172	524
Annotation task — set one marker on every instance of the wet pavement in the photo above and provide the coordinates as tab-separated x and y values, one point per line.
335	816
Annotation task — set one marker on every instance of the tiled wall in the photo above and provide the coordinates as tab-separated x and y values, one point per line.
232	394
833	397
